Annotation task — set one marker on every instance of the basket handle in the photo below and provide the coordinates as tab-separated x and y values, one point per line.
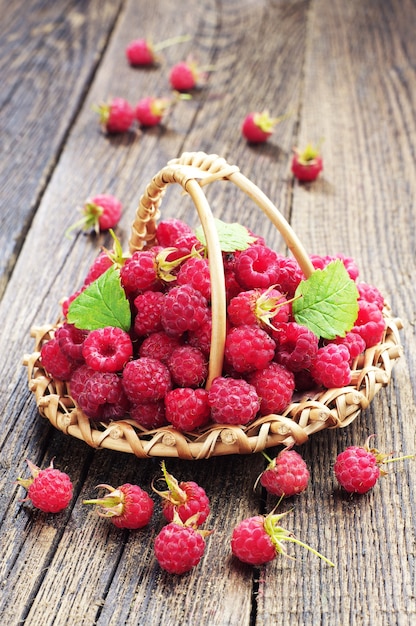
192	171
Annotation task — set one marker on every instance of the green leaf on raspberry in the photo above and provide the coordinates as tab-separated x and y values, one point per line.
103	303
232	237
327	302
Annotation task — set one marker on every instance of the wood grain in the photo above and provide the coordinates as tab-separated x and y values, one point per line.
345	73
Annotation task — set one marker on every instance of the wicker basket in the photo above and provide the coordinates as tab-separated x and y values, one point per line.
330	408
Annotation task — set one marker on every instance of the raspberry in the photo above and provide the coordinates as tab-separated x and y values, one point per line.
257	540
184	309
71	340
319	262
232	286
290	275
285	475
232	401
128	506
149	111
184	76
99	395
107	349
195	272
274	385
257	267
140	52
159	346
100	213
248	348
297	346
117	116
370	323
149	415
186	498
258	306
67	301
179	548
148	318
49	490
257	127
370	294
358	468
251	543
146	380
201	337
188	366
330	367
307	164
101	264
353	341
55	361
186	408
139	273
170	230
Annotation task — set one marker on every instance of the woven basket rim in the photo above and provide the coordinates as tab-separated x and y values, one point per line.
329	408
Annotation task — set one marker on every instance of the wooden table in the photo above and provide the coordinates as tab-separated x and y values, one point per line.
345	71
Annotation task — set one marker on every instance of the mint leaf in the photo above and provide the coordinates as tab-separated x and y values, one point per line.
327	302
232	237
102	303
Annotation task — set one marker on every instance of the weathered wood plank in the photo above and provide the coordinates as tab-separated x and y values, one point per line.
49	56
359	96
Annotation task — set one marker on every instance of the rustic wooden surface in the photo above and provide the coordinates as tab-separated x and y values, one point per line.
346	73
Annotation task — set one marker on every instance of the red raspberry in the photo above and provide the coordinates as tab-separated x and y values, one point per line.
186	408
128	506
257	540
149	307
101	212
179	548
159	346
140	52
139	273
101	264
55	361
358	468
330	367
189	243
285	475
195	272
258	127
66	303
146	380
150	111
232	286
370	323
307	164
49	490
248	348
274	385
71	340
257	267
107	349
297	346
99	395
188	366
185	309
149	415
186	498
290	275
184	76
201	337
319	262
370	294
232	401
258	306
353	341
170	230
117	116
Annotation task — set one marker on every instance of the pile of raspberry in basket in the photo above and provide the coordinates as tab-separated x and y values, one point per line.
134	341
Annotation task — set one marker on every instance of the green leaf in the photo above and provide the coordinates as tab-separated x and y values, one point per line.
102	303
232	237
327	302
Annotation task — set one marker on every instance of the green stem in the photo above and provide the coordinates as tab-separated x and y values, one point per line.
305	545
171	42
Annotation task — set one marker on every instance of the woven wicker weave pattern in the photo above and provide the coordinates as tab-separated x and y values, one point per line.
307	415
